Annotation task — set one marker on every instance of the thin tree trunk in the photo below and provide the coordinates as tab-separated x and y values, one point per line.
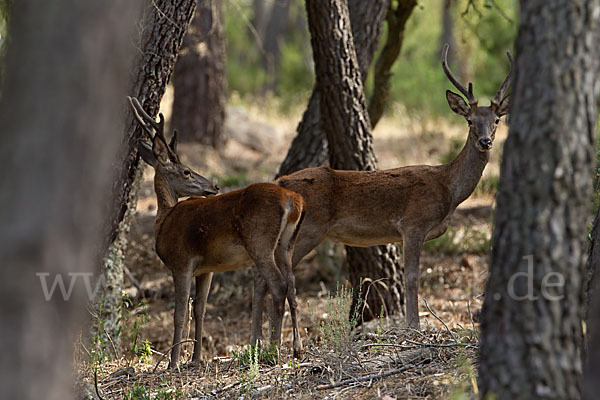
199	79
531	320
61	114
346	122
164	24
396	21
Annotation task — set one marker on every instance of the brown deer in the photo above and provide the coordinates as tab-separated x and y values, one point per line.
196	237
409	204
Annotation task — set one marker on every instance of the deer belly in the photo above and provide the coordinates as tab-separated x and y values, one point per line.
363	235
226	258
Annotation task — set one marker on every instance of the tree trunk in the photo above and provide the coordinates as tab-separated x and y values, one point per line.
61	115
346	123
532	313
396	21
164	24
199	79
275	29
309	147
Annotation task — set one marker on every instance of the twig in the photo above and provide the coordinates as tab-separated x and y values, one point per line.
364	378
456	344
96	384
471	317
132	279
439	319
225	388
169	350
383	345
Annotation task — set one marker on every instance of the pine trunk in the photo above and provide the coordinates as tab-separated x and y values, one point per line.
199	79
531	320
164	24
346	123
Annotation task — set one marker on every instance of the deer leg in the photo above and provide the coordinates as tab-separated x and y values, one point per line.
284	261
258	304
202	288
182	280
278	289
411	251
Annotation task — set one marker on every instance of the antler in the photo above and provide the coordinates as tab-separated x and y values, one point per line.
148	123
500	93
467	93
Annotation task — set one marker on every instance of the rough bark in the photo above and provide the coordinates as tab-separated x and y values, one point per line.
199	79
163	26
531	336
309	147
61	116
346	123
396	22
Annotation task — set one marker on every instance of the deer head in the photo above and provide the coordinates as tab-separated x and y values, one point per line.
482	121
162	156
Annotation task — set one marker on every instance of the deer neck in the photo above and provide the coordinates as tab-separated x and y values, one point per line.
464	172
166	199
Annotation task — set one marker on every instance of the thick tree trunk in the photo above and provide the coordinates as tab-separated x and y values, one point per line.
309	147
199	79
532	313
164	24
396	21
346	123
61	115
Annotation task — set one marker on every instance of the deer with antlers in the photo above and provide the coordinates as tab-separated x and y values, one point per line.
409	205
199	236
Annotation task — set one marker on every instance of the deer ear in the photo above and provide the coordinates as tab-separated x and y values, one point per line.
160	150
502	109
457	103
146	153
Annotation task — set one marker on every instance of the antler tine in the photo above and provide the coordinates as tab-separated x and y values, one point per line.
138	107
467	93
500	93
137	116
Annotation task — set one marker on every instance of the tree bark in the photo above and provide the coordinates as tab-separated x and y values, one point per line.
396	21
61	114
309	147
199	79
532	313
163	26
346	123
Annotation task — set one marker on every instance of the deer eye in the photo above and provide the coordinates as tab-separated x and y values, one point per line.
187	172
469	122
497	121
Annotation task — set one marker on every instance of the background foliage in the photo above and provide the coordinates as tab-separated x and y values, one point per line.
483	31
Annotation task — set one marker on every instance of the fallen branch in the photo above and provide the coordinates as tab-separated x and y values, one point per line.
169	350
441	320
366	378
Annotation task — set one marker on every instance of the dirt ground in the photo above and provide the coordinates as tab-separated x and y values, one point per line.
384	359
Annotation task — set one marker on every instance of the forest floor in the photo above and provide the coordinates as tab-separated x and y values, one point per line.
382	359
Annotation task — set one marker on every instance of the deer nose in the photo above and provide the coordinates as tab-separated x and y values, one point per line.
485	143
217	187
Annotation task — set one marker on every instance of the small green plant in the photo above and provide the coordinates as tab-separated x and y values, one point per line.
266	355
466	383
169	394
336	330
138	392
247	381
